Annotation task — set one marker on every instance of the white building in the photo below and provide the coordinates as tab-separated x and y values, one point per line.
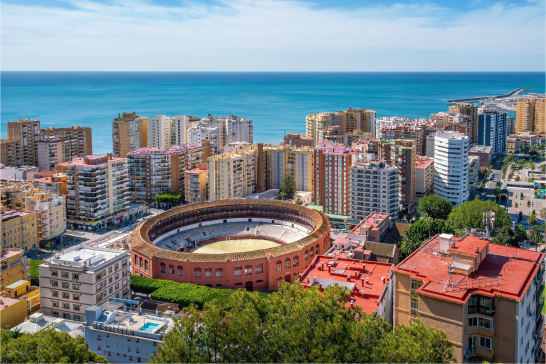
429	145
451	166
199	133
166	131
239	130
84	276
221	131
389	121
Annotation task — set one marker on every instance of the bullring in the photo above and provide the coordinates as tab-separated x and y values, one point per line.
164	247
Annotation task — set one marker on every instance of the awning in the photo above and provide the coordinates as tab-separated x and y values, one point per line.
119	217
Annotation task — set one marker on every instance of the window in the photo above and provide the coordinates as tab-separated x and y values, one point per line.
109	269
287	263
306	254
76	307
76	296
99	347
146	265
248	270
155	343
180	271
66	316
480	304
485	342
66	285
171	269
55	293
415	285
197	273
54	273
259	268
75	276
76	286
137	350
296	261
414	306
208	272
55	304
163	268
66	295
99	337
77	317
66	306
129	348
238	271
138	359
312	253
278	266
54	283
472	344
219	273
64	274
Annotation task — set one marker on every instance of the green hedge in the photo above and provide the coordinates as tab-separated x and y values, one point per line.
35	272
147	285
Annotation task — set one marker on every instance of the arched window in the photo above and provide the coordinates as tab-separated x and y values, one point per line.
278	266
287	263
317	250
146	264
140	263
171	269
259	268
197	273
180	271
238	271
208	272
312	253
296	261
306	254
248	270
163	268
136	260
219	273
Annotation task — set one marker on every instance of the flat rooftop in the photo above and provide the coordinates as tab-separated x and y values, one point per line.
85	257
505	271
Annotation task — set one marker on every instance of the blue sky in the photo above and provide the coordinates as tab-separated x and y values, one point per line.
273	35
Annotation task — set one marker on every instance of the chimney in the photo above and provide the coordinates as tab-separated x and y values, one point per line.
367	280
348	277
476	249
363	267
320	267
329	268
320	286
352	303
301	276
346	266
383	279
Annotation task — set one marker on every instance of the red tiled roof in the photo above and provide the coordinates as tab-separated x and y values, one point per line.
505	271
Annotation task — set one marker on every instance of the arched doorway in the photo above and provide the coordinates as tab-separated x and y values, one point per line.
287	278
249	286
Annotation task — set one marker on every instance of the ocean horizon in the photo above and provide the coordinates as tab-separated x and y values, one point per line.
277	102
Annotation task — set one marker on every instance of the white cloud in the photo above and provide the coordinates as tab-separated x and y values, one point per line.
269	35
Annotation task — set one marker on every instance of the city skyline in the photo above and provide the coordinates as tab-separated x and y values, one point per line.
241	35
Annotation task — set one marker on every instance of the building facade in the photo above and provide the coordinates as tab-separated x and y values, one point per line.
486	297
27	132
451	166
83	135
530	115
331	182
471	111
53	150
14	266
196	184
19	229
424	176
98	191
485	155
492	130
473	172
154	171
74	280
19	301
374	186
407	132
299	162
129	132
297	140
238	173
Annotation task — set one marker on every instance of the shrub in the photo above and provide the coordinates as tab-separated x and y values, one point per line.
147	285
185	294
35	272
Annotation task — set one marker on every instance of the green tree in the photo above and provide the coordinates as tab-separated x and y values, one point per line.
470	215
420	231
532	166
434	206
169	197
288	188
542	214
543	168
296	324
35	272
479	197
532	219
505	236
47	346
535	235
520	233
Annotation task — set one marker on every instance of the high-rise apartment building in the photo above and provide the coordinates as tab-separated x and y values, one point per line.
27	132
331	184
166	131
530	115
510	125
348	121
492	130
19	229
98	190
129	132
221	131
53	150
373	188
406	131
486	297
424	176
297	161
74	280
10	152
237	174
195	184
154	171
451	166
430	145
82	134
471	111
389	121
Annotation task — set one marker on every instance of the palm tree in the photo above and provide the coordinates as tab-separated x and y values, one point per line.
532	166
532	220
535	235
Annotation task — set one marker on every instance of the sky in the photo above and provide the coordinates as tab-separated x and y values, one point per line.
273	35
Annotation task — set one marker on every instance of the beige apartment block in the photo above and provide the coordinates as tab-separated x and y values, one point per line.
13	266
531	115
471	111
424	176
299	162
74	280
195	184
486	297
237	174
27	132
348	121
82	134
10	152
19	229
297	140
154	171
98	190
129	132
53	150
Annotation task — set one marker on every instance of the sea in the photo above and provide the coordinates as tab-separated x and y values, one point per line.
276	102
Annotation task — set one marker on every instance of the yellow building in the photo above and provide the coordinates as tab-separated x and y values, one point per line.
472	111
348	121
129	132
237	173
14	267
18	302
531	115
195	184
298	161
19	229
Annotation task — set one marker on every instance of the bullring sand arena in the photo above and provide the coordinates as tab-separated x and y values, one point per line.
254	244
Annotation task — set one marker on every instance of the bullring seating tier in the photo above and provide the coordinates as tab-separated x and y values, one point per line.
212	232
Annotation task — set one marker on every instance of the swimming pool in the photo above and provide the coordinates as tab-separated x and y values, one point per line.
148	327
